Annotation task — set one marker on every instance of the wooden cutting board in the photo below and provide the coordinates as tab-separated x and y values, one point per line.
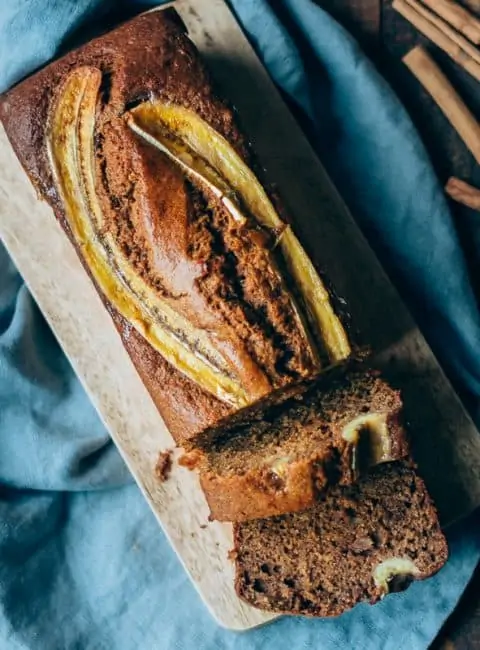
447	445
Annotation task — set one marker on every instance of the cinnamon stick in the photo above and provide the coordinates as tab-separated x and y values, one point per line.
463	193
446	29
458	17
436	35
449	101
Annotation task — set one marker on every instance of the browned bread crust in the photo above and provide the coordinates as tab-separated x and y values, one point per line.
358	544
185	408
279	455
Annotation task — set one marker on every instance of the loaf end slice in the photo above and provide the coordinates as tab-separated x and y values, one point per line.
358	544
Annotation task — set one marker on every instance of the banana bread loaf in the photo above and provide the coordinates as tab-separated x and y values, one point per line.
279	455
357	544
214	297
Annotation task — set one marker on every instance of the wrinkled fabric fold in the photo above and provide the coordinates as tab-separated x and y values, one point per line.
83	563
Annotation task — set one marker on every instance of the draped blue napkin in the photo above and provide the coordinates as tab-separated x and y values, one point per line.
83	564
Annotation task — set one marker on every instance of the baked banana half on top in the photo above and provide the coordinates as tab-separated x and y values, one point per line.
157	188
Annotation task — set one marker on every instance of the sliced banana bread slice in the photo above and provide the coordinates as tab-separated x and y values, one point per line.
279	455
358	543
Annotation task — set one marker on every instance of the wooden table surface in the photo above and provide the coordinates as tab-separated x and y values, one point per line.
386	37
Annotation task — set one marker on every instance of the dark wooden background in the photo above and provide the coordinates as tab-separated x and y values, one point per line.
386	37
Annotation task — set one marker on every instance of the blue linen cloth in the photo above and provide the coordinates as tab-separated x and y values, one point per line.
83	563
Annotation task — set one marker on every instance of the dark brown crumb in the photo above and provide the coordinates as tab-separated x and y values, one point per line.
164	465
203	525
